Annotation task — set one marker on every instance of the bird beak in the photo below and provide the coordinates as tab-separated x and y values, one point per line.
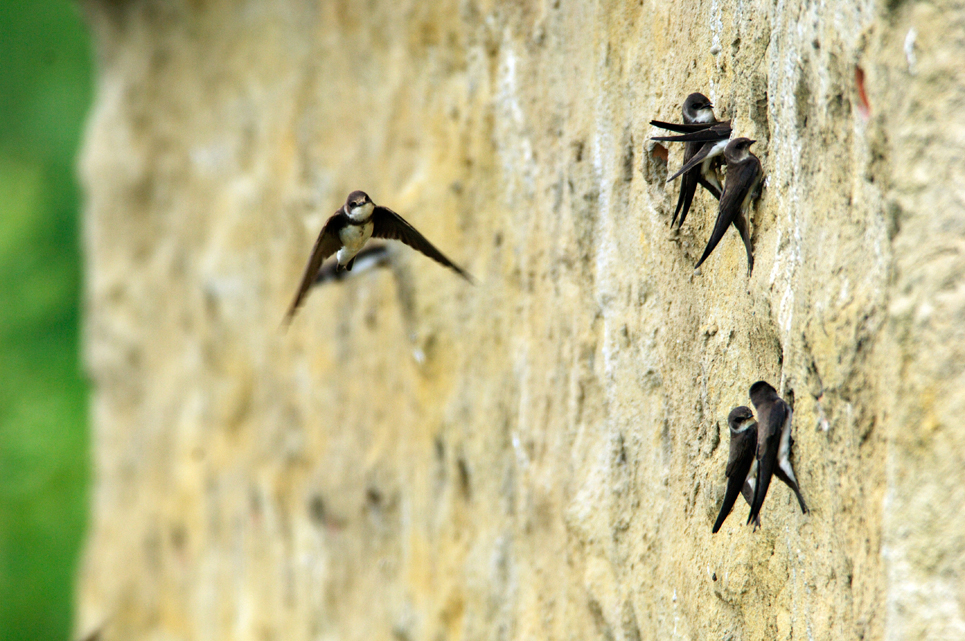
752	142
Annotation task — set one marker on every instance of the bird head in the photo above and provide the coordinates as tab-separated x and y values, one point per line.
760	391
358	205
698	108
738	149
741	418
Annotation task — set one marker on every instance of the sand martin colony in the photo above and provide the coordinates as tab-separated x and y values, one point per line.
713	161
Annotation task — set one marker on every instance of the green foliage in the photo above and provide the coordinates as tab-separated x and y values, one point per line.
44	91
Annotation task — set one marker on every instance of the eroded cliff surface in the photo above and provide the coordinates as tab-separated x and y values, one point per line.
541	455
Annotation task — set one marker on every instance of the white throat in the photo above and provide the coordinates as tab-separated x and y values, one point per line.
360	213
705	115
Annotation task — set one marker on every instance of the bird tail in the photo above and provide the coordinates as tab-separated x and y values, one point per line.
765	468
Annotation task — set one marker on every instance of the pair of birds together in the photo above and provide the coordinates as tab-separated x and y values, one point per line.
707	144
759	449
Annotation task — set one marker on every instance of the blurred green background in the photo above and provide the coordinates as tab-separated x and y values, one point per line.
45	89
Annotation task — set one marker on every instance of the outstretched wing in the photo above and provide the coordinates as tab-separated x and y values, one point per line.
327	244
391	226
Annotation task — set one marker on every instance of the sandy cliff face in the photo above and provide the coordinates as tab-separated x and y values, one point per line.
541	455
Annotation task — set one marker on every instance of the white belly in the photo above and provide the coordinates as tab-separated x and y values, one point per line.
750	195
784	449
353	238
707	166
717	149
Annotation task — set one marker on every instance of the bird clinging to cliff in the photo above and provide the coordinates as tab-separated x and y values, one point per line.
741	462
347	231
773	445
704	139
743	176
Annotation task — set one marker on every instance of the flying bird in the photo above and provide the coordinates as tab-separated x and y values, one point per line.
347	231
741	462
701	132
744	174
773	445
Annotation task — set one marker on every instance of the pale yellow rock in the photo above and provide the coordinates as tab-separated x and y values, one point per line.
540	456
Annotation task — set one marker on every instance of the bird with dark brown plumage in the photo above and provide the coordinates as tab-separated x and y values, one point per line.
346	233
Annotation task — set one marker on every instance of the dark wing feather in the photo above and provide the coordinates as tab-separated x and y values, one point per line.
747	491
714	133
687	187
765	469
743	449
327	244
733	491
739	179
682	127
741	224
788	481
695	160
787	476
391	226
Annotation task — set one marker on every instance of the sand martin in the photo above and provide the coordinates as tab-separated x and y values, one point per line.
347	231
741	462
701	132
773	445
744	174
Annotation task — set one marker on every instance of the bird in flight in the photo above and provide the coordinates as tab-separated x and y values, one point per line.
346	233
